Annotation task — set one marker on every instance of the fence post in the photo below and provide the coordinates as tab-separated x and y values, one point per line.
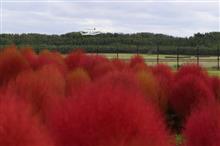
117	52
177	57
137	49
158	55
197	53
97	51
218	57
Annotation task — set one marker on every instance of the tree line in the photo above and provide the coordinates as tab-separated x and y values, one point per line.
117	42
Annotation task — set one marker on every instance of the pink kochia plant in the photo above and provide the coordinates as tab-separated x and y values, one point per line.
18	127
203	126
107	115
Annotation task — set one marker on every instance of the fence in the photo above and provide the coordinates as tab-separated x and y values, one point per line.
211	62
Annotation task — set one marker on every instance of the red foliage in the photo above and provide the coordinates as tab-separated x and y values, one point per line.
164	77
192	69
41	88
102	69
125	80
76	81
78	59
187	93
120	65
18	127
215	82
203	127
30	56
137	64
137	59
11	64
149	86
107	115
55	58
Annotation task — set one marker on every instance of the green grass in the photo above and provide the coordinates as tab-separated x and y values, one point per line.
179	139
214	73
208	62
162	56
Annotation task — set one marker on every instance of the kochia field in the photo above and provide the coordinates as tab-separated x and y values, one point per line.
48	99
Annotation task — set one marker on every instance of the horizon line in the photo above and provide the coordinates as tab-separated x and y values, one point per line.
123	33
112	1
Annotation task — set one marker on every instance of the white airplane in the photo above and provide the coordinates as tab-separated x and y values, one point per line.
90	32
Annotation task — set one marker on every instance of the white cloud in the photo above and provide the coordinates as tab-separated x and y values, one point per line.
179	19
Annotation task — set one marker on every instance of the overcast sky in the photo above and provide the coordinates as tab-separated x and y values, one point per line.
173	17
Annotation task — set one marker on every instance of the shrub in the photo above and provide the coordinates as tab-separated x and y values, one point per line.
187	93
54	58
149	86
102	69
76	81
137	64
106	115
91	63
119	64
164	77
136	59
192	69
18	127
30	56
11	64
215	82
41	88
124	80
203	127
78	59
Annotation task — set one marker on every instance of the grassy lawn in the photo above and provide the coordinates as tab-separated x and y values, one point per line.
214	73
179	140
162	56
209	62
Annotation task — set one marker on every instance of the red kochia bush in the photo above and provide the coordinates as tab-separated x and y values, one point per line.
11	64
124	80
18	127
30	56
192	69
215	82
106	116
119	64
187	93
54	58
164	77
76	81
149	86
137	64
102	69
41	88
203	127
78	59
137	59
